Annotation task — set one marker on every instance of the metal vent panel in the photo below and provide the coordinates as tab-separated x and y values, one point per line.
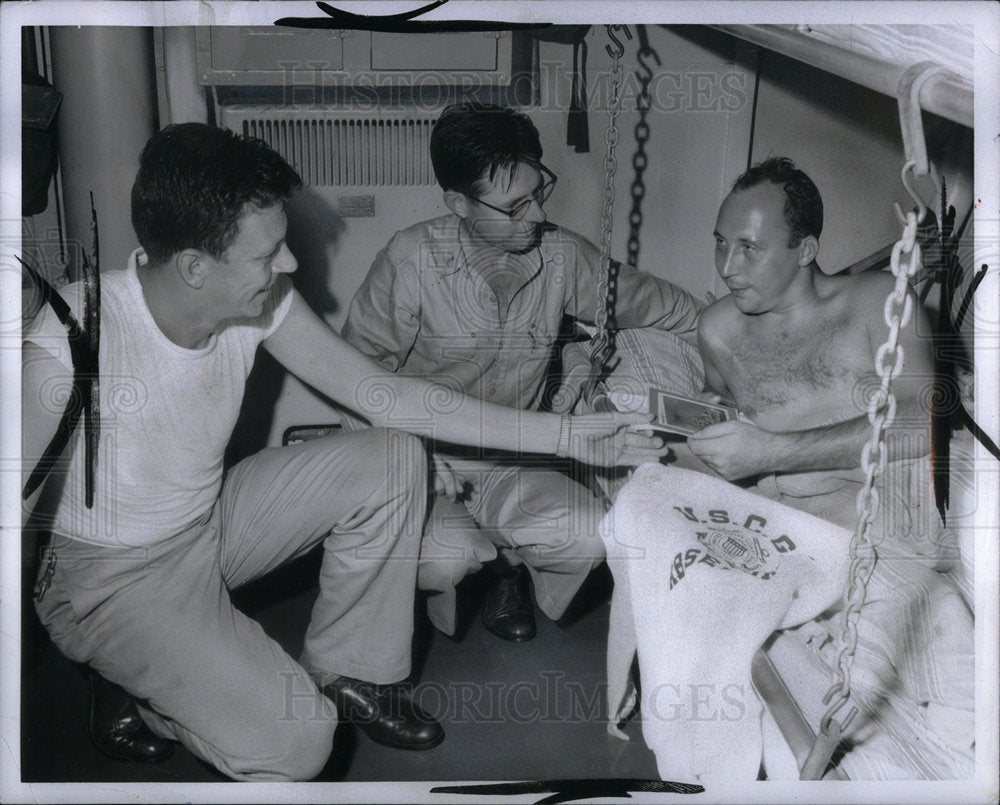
346	150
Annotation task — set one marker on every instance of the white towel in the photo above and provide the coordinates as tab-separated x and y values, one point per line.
704	573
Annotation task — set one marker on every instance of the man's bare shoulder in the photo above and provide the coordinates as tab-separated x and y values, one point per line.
862	286
718	317
862	296
872	279
716	325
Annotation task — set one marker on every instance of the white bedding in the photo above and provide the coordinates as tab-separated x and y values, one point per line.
696	624
914	678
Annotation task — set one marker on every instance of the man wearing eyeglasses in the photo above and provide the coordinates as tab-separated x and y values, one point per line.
475	300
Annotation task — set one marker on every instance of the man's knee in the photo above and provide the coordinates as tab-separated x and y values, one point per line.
403	444
583	550
400	455
540	508
452	547
446	572
574	536
291	753
309	750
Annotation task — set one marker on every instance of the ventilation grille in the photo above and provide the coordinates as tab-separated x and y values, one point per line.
343	151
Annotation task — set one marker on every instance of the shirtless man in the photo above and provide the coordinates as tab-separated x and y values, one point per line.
795	347
795	350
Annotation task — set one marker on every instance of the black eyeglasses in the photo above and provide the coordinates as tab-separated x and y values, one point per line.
540	196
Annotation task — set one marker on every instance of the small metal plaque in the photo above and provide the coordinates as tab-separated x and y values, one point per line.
356	206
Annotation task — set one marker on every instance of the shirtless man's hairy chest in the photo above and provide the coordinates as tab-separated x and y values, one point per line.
810	367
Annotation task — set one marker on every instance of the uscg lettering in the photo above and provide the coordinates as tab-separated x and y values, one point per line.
753	524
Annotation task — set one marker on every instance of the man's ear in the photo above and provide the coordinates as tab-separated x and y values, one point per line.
191	267
457	202
808	249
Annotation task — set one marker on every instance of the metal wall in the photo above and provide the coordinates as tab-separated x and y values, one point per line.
106	75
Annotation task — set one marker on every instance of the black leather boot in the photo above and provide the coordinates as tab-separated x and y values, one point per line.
385	713
507	610
117	729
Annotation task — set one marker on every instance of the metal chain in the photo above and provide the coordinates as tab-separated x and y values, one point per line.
639	163
640	160
881	413
601	344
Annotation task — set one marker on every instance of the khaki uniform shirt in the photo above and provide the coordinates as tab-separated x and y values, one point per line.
424	310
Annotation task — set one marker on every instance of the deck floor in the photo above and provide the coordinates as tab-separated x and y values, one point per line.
527	711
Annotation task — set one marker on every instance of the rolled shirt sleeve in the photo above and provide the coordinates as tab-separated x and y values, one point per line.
642	299
384	317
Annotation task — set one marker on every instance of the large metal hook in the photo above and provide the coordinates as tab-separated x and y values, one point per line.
911	125
910	121
917	199
645	52
645	49
619	49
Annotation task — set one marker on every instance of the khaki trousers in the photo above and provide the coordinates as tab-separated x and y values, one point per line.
535	514
159	622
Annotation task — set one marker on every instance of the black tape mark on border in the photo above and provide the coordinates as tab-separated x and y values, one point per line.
569	790
401	23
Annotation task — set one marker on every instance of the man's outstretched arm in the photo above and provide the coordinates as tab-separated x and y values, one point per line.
313	352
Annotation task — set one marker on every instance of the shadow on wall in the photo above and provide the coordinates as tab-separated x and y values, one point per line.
313	229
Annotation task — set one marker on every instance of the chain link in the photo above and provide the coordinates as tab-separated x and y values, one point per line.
882	412
640	160
601	344
610	167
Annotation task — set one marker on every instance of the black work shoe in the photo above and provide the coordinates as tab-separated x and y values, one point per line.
507	610
385	713
117	729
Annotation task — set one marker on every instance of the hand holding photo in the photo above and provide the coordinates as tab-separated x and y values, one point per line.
676	413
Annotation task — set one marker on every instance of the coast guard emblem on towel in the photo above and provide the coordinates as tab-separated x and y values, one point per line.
739	550
730	543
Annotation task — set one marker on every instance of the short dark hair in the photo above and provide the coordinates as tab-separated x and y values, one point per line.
803	210
471	141
194	183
